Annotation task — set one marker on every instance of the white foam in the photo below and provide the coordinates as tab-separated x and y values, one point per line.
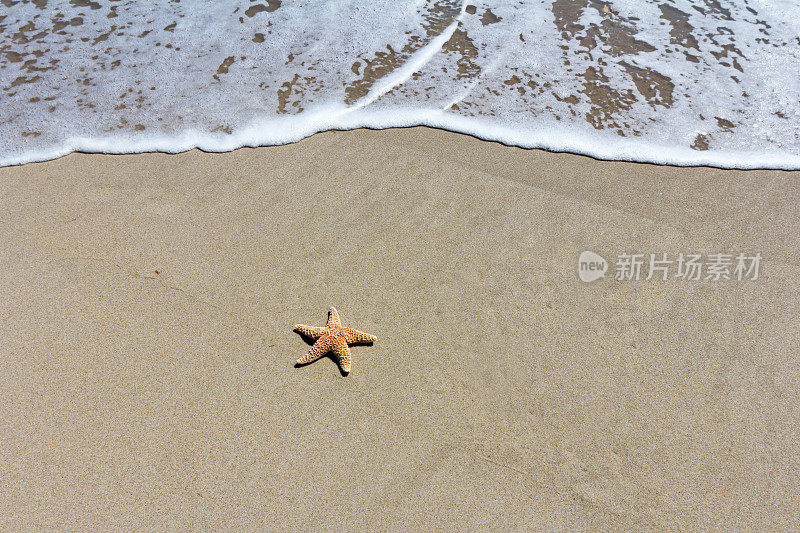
630	85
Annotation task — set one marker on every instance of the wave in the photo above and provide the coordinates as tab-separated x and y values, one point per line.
668	82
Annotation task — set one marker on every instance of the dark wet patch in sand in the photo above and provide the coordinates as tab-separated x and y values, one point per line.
85	3
223	67
681	32
725	124
489	18
656	88
700	142
271	6
461	44
606	101
292	93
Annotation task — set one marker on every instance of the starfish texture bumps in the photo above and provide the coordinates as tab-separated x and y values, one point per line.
332	338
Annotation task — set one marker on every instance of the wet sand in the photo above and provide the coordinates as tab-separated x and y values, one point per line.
147	351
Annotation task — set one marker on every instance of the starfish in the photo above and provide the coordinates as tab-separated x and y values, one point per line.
332	338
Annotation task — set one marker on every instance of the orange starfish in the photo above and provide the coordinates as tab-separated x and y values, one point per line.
332	338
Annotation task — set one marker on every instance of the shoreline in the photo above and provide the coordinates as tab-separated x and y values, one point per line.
580	142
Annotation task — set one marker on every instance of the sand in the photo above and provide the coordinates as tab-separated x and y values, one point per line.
147	352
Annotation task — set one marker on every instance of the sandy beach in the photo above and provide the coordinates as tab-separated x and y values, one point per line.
148	379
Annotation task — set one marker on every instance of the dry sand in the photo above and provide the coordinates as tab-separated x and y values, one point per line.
502	392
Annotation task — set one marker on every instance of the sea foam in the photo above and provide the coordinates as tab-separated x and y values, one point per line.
670	81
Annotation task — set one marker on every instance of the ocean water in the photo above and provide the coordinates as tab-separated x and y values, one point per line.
701	82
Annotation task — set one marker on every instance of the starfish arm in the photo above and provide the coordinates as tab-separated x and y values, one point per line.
311	332
333	318
354	336
342	353
320	348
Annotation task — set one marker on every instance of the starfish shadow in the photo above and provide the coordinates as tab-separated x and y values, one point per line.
308	340
326	356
